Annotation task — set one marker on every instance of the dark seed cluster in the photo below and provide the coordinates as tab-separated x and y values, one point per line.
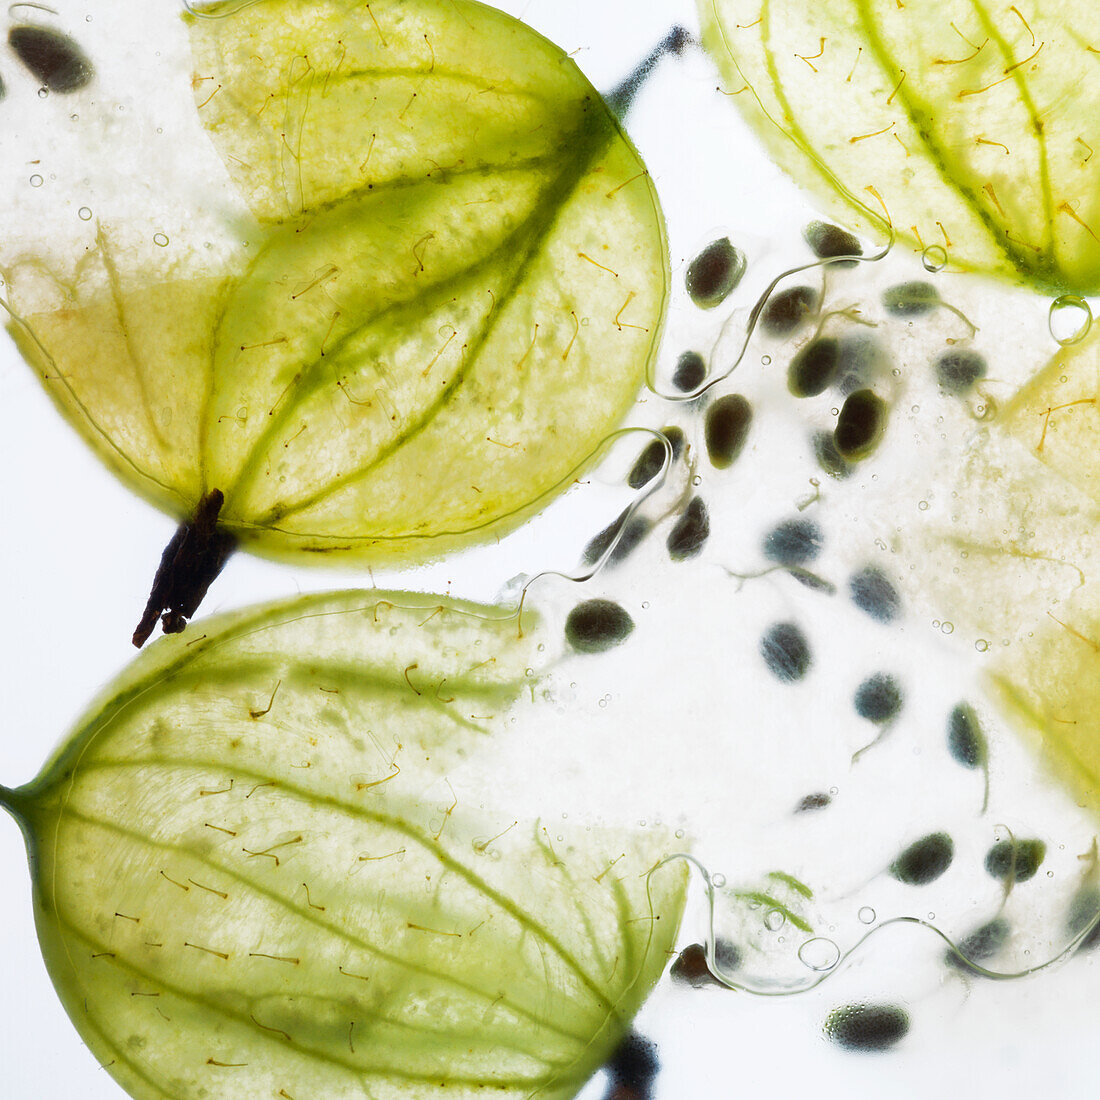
633	1069
53	58
828	241
714	273
965	740
980	945
633	531
1084	912
652	459
860	425
874	594
814	367
690	968
878	698
911	299
690	532
1015	860
793	542
788	310
867	1028
829	458
726	428
690	373
958	370
924	860
597	625
786	652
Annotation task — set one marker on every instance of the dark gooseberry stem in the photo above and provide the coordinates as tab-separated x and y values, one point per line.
188	567
620	98
15	802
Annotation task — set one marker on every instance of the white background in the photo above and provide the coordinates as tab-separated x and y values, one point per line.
77	553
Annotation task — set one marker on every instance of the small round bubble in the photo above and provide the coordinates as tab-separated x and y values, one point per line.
160	240
867	915
1070	319
36	180
718	881
84	214
819	954
934	258
774	920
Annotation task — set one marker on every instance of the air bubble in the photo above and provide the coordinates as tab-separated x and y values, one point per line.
934	258
947	628
819	954
718	881
43	93
867	915
774	919
84	214
924	506
1070	319
160	239
36	180
981	645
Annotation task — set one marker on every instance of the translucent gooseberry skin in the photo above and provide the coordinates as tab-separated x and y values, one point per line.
365	310
890	141
227	874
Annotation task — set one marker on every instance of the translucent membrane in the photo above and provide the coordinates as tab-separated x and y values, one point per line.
275	849
317	240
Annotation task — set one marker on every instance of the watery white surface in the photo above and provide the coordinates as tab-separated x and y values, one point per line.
683	724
